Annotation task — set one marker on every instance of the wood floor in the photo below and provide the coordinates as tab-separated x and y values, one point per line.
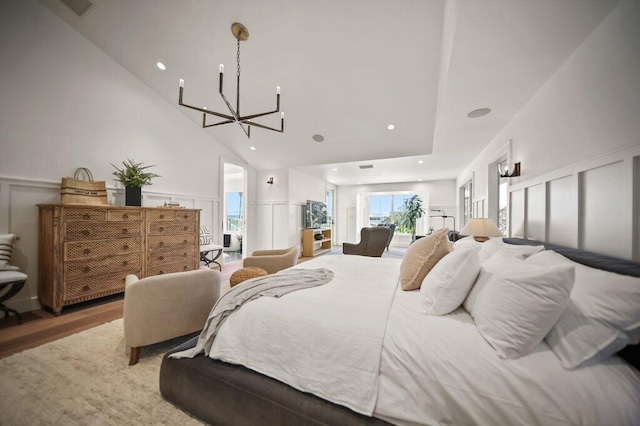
41	327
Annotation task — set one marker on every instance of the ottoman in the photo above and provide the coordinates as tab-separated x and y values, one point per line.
247	273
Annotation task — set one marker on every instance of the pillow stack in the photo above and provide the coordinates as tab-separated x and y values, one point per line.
602	318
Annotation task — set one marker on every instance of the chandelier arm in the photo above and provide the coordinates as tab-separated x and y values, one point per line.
204	122
262	126
252	116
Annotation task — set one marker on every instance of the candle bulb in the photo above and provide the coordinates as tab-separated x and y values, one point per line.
282	115
181	83
278	90
221	68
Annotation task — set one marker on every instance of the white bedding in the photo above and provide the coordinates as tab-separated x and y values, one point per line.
432	370
325	340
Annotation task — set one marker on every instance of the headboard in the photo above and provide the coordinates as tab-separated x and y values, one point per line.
631	354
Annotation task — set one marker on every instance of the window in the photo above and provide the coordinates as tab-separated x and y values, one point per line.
235	214
386	208
330	207
467	204
503	197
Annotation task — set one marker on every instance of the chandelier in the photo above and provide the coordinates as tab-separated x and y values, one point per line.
245	122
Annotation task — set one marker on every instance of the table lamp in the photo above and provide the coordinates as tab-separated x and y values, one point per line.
481	229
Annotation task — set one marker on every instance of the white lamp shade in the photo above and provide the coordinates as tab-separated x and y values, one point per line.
481	227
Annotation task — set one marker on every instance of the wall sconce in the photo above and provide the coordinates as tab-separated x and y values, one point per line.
504	171
270	181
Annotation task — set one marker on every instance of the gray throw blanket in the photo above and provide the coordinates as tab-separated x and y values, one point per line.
275	285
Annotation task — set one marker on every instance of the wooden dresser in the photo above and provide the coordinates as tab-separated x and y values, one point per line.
85	252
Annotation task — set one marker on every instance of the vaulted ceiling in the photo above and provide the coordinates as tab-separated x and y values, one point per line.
348	69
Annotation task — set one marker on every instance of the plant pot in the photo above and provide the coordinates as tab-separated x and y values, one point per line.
133	196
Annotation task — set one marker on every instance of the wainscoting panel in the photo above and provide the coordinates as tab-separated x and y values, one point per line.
281	237
536	212
563	211
517	213
605	226
19	215
593	205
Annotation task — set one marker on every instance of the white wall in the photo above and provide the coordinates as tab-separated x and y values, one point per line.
583	118
66	104
439	194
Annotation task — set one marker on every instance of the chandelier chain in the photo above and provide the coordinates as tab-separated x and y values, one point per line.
238	60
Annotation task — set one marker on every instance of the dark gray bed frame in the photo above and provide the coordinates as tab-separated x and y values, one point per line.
226	394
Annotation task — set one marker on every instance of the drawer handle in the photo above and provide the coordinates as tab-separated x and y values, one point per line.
125	231
86	269
125	247
161	272
86	288
125	216
185	216
161	243
185	227
125	263
184	254
87	251
161	258
86	216
184	242
185	267
161	229
85	233
161	216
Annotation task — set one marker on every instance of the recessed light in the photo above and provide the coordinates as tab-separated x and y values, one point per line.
391	127
420	161
161	66
479	112
253	148
419	180
335	170
318	138
359	183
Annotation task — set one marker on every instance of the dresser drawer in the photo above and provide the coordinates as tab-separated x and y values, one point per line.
92	249
166	214
168	268
90	268
74	215
186	215
101	230
90	288
163	228
171	242
124	215
159	258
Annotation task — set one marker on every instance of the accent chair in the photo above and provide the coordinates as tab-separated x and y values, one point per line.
372	242
273	261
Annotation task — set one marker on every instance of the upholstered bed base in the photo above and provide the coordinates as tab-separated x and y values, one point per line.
227	394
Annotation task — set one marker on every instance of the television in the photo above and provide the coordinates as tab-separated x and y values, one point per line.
316	215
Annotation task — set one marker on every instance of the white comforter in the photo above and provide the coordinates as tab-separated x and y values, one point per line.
432	370
325	340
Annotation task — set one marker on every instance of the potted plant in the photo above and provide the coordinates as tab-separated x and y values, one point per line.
133	176
411	210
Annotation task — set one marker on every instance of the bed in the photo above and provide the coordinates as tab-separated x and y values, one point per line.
466	382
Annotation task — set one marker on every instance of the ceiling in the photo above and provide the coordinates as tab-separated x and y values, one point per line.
346	70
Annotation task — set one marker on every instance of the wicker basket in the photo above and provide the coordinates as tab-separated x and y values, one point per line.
246	274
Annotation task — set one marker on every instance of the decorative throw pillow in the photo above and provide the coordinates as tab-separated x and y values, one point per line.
421	257
492	246
6	251
205	235
603	318
447	285
514	305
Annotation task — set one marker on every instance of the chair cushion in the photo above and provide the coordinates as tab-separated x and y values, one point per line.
12	276
6	251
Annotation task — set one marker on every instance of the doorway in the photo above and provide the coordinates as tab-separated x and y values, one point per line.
234	207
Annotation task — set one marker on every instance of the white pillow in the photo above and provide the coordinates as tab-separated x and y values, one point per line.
446	286
514	305
6	252
603	318
521	251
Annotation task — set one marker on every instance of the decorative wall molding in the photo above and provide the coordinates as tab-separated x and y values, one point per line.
19	214
592	205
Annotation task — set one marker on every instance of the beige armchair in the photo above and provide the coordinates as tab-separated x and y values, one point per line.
273	261
372	242
165	306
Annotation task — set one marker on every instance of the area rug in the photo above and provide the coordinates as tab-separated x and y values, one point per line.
85	379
